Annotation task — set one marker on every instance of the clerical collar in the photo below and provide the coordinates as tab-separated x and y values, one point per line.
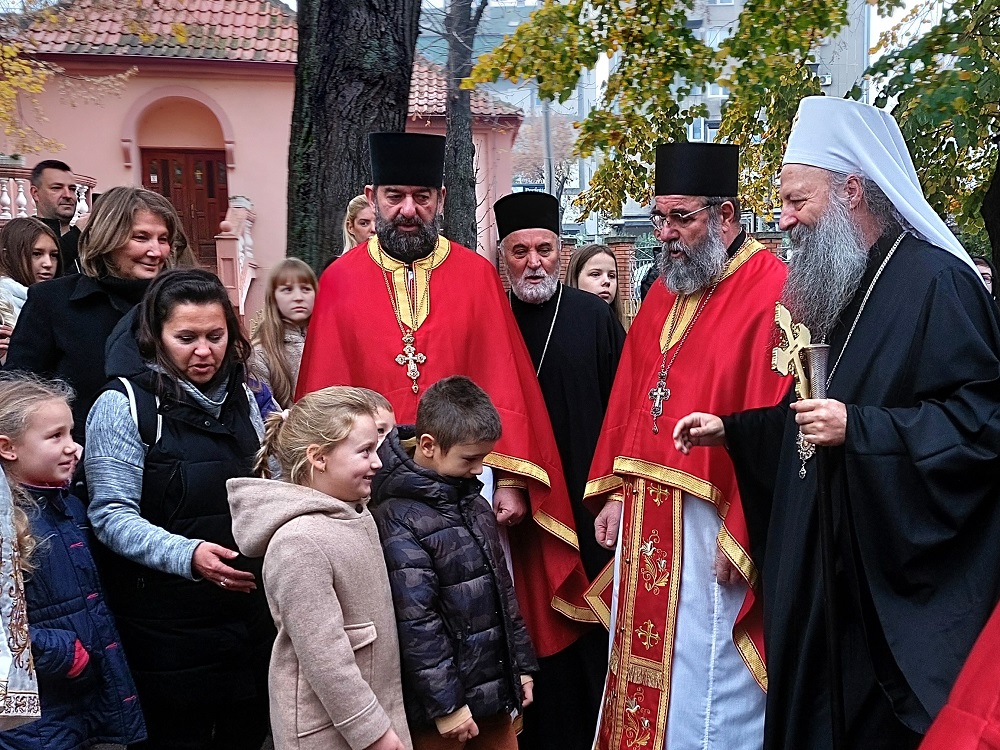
430	262
736	244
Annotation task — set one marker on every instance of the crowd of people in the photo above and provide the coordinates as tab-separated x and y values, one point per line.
414	509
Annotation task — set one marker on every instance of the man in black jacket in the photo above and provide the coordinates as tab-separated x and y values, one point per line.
53	189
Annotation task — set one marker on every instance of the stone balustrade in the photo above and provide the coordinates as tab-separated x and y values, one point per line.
234	251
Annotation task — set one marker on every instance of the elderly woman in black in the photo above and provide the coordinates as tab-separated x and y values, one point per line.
161	442
65	322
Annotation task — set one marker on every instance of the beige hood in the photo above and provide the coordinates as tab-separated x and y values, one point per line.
262	506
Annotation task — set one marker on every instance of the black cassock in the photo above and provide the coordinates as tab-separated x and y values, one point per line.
576	377
914	492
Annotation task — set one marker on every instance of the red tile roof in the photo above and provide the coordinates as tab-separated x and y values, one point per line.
242	30
429	95
234	30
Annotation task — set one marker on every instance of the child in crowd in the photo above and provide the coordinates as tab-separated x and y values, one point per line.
385	417
86	692
279	338
465	650
334	677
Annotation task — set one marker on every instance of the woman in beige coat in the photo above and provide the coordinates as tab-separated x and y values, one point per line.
334	676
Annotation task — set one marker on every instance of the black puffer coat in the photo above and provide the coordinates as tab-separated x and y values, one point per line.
461	635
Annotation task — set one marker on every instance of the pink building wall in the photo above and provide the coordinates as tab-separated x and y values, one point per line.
244	108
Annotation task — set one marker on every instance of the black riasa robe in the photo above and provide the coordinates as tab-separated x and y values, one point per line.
914	493
576	378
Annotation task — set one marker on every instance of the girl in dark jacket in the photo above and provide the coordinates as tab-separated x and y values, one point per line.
86	692
174	425
465	650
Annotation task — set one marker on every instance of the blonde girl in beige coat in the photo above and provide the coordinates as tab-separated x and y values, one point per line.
334	676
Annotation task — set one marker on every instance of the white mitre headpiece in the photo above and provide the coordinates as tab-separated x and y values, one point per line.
846	136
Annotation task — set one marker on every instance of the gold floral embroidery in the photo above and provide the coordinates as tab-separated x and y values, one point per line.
17	639
648	636
655	564
658	492
637	729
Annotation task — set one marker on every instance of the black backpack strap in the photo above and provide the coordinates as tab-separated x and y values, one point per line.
144	408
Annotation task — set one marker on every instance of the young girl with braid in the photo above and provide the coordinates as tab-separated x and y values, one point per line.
334	678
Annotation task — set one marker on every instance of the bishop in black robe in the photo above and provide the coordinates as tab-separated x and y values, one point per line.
576	376
914	492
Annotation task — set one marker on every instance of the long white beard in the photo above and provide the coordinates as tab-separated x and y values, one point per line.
701	264
828	261
535	294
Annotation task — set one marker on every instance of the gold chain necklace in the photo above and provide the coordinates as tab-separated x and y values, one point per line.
660	393
410	357
552	327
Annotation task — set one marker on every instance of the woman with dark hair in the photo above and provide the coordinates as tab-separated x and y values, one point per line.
65	323
594	269
988	271
174	424
29	253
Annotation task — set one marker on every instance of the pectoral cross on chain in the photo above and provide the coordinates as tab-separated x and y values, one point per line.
658	395
411	358
789	359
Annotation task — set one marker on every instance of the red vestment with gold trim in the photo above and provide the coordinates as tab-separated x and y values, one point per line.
464	327
723	365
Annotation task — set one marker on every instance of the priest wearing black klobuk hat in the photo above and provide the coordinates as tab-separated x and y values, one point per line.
575	342
682	595
411	307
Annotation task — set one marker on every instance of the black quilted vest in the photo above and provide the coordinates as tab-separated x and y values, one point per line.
184	635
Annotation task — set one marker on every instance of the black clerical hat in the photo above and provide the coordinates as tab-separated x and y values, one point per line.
415	159
527	210
705	169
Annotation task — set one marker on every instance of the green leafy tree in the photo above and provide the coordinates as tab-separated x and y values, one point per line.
656	62
946	84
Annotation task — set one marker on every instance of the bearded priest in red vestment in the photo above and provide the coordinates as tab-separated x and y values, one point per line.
687	661
410	307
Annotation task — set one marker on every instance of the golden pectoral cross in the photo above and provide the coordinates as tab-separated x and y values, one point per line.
788	359
411	358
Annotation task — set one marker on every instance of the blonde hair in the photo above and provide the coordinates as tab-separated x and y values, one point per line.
110	226
269	335
574	268
356	206
322	418
20	396
377	400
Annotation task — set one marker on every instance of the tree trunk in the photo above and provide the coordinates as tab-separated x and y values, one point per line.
355	60
460	222
990	211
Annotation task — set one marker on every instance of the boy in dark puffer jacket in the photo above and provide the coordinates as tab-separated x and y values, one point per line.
466	654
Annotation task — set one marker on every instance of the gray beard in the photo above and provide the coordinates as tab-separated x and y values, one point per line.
535	294
828	261
407	247
701	265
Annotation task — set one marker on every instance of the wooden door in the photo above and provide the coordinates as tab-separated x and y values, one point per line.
195	182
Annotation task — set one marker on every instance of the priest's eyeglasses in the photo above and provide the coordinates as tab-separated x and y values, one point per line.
677	219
